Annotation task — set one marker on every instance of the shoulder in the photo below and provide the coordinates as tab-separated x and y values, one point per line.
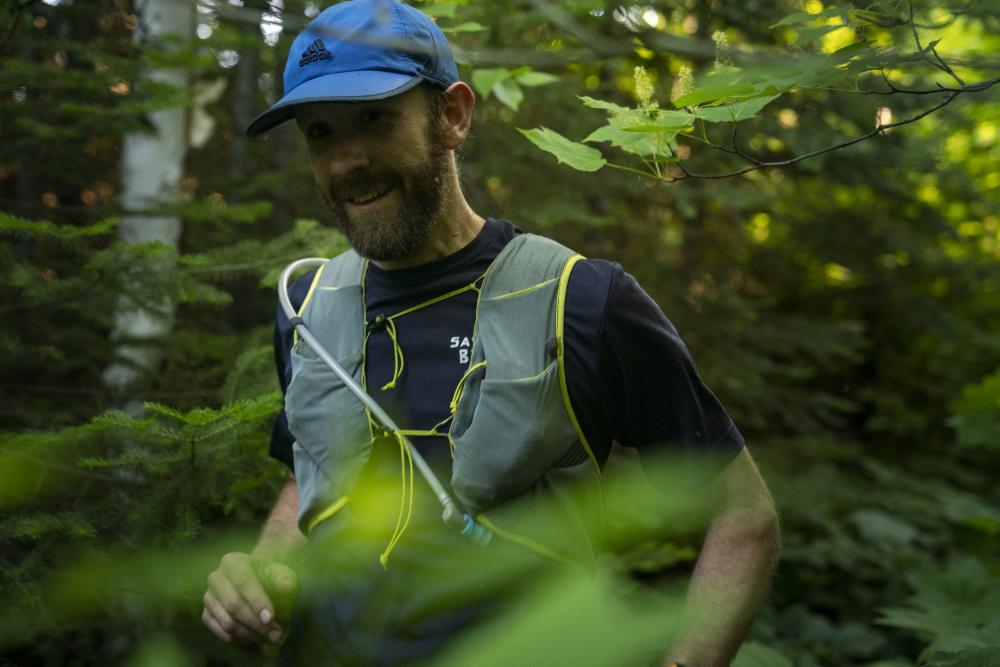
590	286
298	290
346	262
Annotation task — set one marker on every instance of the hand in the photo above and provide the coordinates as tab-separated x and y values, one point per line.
241	596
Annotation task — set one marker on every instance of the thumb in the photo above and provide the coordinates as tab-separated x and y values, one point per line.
280	579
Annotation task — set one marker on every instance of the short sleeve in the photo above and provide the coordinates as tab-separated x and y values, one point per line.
659	400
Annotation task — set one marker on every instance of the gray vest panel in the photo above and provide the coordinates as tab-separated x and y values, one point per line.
511	425
333	438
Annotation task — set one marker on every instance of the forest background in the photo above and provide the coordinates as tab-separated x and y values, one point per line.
844	307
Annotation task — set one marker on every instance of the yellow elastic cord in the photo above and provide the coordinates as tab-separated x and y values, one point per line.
305	302
431	302
405	456
526	542
414	433
365	334
525	290
461	385
326	514
373	426
405	499
398	362
561	358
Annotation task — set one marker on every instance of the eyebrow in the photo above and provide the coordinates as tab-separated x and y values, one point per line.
388	109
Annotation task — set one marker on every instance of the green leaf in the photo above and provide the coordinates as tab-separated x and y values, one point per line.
603	104
986	656
976	412
810	35
509	93
736	111
878	527
571	153
470	26
665	121
633	142
445	9
713	92
533	78
485	79
799	18
959	606
845	53
754	654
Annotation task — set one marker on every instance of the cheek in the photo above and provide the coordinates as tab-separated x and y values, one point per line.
320	174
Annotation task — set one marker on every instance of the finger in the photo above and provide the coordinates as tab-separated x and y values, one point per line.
214	626
236	606
279	578
283	584
219	615
237	567
252	591
226	623
244	573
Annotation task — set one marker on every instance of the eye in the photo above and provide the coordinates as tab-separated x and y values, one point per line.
317	130
370	116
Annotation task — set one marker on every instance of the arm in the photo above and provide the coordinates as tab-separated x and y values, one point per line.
733	570
248	593
280	538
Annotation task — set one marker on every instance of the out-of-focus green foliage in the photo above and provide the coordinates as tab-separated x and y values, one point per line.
959	607
844	308
977	414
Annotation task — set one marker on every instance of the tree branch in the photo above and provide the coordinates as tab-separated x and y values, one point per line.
965	88
760	164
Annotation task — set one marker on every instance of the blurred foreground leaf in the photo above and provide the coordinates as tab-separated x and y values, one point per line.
575	619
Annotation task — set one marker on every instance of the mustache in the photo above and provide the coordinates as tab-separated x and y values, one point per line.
355	184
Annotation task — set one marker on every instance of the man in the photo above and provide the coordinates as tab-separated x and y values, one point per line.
374	90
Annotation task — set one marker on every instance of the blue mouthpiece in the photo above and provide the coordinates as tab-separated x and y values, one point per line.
476	531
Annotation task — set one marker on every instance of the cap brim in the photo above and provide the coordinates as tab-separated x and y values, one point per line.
363	86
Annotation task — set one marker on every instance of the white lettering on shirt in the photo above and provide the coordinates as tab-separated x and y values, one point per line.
464	348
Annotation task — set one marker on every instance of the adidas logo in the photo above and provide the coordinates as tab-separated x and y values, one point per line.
315	53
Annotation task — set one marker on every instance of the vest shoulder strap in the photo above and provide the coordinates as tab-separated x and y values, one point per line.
335	305
346	269
526	262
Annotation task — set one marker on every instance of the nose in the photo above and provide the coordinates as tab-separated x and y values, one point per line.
345	156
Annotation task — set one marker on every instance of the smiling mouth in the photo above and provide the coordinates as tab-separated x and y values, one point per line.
369	198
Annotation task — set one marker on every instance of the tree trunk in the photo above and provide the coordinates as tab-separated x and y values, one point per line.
152	165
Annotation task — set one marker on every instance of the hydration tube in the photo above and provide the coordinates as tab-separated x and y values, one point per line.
453	515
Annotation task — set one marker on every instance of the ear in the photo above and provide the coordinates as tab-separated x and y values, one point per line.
460	101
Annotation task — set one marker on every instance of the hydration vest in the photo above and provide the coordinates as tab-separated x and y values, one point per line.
518	452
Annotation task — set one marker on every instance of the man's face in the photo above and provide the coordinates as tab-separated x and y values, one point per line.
380	167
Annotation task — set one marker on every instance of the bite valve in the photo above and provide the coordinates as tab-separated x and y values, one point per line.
466	525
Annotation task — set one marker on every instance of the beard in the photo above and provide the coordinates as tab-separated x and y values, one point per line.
391	236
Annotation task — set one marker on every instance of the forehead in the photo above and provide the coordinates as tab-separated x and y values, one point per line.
410	101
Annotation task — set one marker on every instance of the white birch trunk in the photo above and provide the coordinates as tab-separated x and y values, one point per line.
152	165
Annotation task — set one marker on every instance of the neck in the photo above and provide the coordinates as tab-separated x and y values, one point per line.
456	226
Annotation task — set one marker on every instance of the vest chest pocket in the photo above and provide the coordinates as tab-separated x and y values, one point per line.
330	427
517	432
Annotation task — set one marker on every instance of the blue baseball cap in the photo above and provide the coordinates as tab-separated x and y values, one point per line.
361	50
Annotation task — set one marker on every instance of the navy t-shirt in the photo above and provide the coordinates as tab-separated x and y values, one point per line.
631	378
